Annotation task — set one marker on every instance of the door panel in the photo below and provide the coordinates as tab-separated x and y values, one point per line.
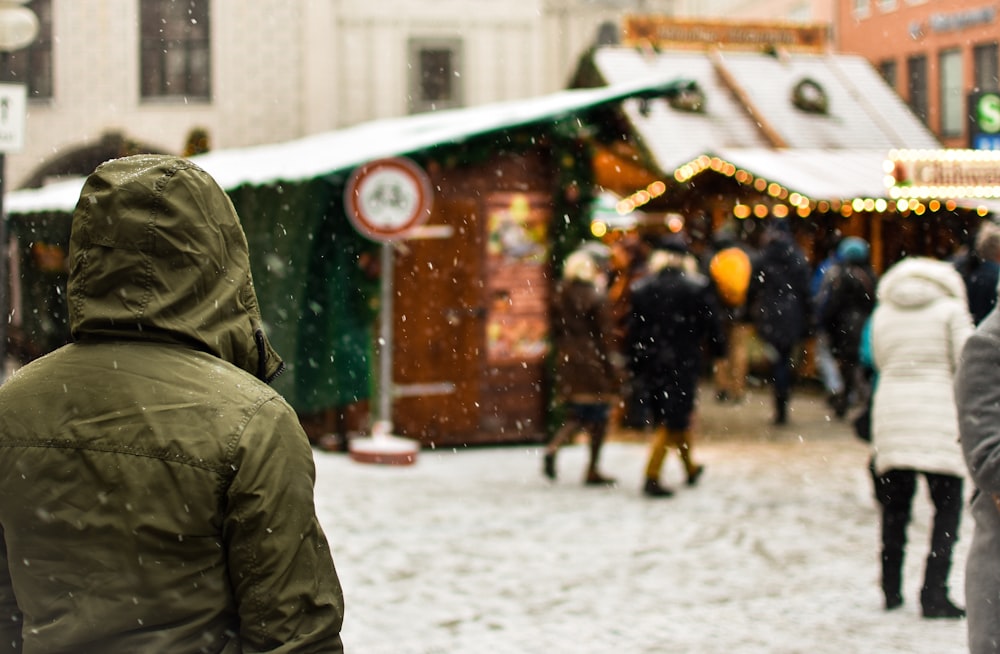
517	285
439	326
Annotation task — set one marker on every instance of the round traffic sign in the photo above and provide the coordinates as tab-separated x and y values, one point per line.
387	198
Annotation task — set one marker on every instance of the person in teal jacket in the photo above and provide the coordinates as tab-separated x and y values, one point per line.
156	495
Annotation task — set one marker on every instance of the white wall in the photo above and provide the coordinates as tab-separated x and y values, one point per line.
258	87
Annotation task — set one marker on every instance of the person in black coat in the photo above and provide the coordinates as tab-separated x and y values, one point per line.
847	298
980	271
673	311
781	307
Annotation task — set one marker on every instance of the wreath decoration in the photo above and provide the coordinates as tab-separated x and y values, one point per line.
810	97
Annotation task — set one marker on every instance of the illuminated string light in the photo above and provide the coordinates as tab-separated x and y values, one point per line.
902	198
942	174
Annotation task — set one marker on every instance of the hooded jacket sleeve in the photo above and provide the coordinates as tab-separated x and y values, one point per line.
977	396
288	594
10	614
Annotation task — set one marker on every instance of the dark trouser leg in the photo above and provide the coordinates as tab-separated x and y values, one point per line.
569	429
598	432
782	386
894	490
849	373
596	425
946	493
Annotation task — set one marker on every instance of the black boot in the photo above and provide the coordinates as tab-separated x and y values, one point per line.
653	489
695	474
781	410
840	404
935	604
892	578
934	595
549	466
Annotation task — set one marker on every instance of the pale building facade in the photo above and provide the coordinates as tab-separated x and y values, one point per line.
265	71
281	69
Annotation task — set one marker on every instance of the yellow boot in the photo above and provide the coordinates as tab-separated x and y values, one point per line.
657	453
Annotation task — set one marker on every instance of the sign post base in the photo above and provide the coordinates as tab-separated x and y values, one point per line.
384	448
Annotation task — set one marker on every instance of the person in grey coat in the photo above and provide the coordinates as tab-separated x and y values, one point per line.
977	395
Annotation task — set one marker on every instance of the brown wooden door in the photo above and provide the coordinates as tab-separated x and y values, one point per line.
439	327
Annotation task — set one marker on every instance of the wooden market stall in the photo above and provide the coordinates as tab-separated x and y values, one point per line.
512	184
773	126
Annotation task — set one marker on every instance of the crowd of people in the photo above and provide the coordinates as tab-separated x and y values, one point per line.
657	315
901	352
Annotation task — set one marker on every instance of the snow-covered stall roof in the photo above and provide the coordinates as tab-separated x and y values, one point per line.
329	152
864	115
815	173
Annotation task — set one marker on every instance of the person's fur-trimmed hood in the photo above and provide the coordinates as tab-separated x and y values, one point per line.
917	281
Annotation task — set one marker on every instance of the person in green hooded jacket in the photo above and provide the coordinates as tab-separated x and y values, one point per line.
156	495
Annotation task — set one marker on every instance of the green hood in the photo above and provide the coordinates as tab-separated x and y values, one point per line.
157	253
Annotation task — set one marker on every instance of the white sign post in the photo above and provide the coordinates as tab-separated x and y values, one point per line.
18	28
13	110
385	200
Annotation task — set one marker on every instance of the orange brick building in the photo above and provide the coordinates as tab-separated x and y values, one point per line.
935	53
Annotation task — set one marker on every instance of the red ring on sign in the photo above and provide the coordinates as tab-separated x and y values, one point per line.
422	204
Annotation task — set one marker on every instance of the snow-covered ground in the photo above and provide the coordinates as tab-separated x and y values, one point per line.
775	551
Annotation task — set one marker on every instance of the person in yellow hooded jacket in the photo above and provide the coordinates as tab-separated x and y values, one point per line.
156	495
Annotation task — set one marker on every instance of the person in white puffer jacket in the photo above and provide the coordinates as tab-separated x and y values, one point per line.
919	326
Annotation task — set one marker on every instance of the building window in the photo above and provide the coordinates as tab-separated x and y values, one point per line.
861	8
985	69
916	85
33	65
435	74
951	101
175	49
887	5
888	70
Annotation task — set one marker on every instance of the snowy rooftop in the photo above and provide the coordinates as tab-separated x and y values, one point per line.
865	118
830	174
326	153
